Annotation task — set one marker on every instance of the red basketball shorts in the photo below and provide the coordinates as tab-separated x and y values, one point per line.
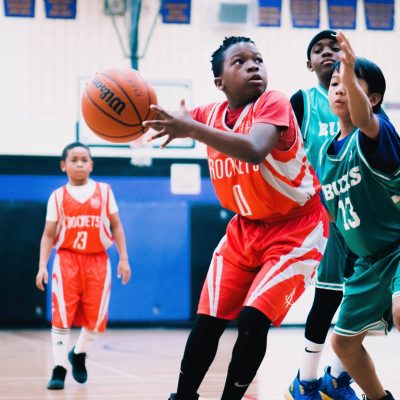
264	265
81	286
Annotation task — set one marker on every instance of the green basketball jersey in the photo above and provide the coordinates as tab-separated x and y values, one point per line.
364	202
319	122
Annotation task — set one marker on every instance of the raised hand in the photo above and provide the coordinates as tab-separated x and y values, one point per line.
348	60
171	125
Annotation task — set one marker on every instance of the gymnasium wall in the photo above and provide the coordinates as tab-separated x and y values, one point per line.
170	236
44	59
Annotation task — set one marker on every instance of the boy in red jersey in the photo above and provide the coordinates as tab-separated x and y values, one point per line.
275	241
81	222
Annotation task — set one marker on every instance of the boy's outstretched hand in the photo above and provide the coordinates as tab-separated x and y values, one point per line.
172	125
124	271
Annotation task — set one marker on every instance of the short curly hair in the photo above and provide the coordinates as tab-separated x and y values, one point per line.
217	58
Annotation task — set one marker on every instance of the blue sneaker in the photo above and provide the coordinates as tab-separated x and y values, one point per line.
304	390
337	388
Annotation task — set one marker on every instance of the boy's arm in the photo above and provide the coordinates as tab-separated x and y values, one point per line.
46	245
124	270
382	153
252	148
297	102
360	106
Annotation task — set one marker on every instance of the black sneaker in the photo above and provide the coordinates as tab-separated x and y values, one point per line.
388	396
78	366
57	378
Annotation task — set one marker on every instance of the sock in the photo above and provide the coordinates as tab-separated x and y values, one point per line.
59	340
337	367
310	361
85	340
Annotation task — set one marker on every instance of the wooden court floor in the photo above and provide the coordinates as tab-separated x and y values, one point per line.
144	363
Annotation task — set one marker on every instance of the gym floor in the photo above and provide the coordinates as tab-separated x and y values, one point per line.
144	364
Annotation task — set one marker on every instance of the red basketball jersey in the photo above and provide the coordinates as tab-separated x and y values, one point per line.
277	187
83	227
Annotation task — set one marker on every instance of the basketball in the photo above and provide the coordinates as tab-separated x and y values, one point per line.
116	102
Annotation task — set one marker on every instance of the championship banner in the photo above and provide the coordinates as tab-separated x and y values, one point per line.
269	12
379	14
19	8
175	11
305	13
60	8
342	14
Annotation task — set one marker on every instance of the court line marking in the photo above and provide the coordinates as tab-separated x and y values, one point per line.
22	336
116	371
31	340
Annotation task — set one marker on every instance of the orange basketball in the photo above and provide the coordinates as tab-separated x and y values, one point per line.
116	102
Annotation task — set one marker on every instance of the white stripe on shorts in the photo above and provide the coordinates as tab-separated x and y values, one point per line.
306	267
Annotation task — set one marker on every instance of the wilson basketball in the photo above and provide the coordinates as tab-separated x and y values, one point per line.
116	102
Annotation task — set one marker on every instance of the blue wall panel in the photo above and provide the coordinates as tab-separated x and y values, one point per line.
39	187
159	250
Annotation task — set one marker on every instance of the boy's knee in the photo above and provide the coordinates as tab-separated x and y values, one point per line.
341	345
396	312
253	323
336	342
347	346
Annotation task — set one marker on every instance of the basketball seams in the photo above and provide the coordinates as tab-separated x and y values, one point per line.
120	139
126	94
129	135
111	136
87	94
148	91
149	99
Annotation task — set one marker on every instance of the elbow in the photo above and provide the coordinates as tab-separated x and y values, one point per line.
256	160
48	237
255	157
362	121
